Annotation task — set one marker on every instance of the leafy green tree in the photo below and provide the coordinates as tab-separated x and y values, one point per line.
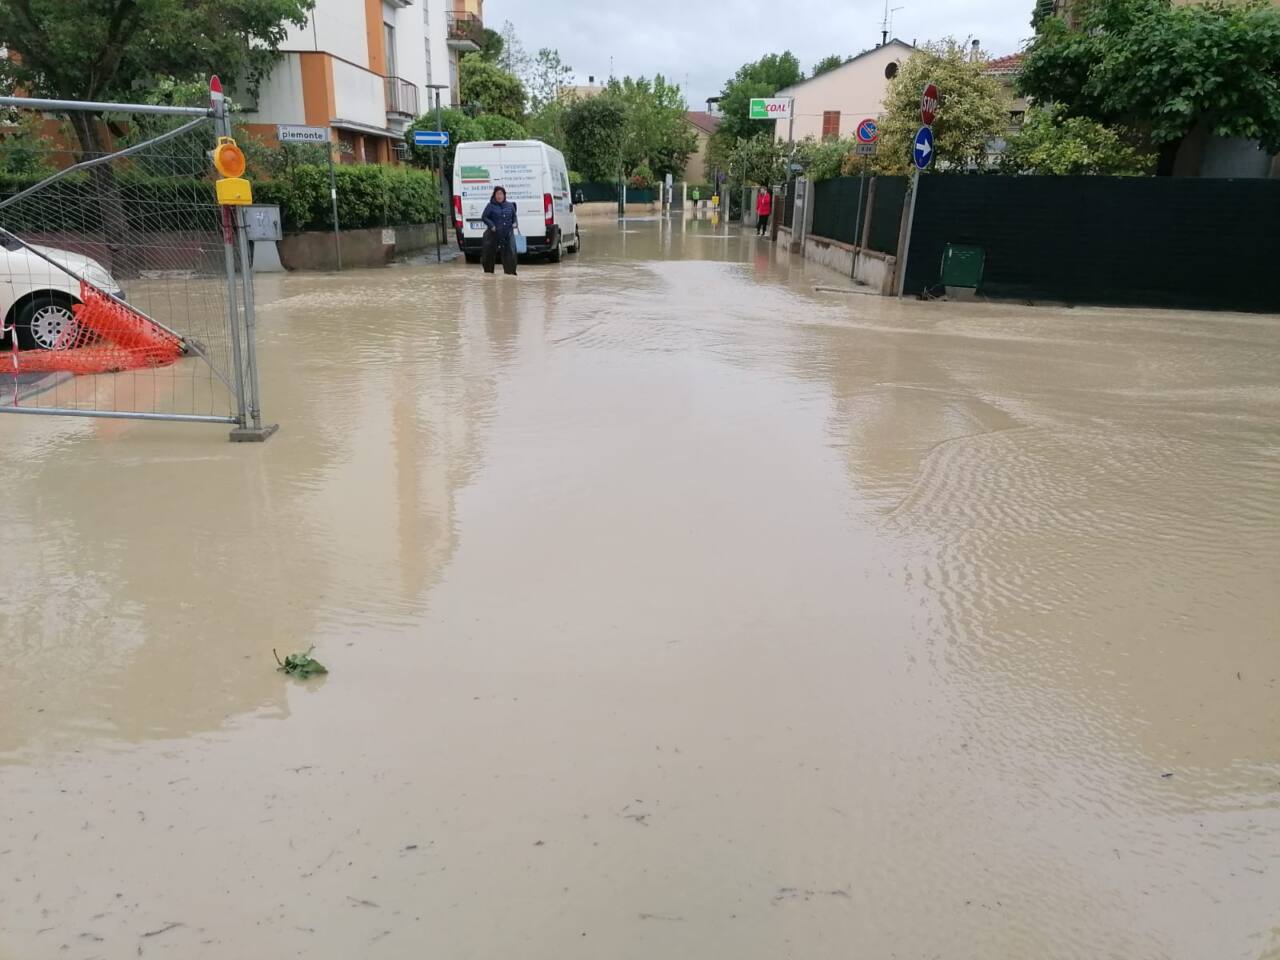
973	108
825	159
657	132
511	55
547	123
827	64
758	160
1052	143
113	49
462	129
594	133
491	44
1164	71
25	151
763	78
487	88
494	127
547	74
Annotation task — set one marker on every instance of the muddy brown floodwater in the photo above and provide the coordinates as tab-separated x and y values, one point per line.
678	602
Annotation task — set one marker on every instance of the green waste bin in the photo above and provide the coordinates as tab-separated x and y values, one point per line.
962	266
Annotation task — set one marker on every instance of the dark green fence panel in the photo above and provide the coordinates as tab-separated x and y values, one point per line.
836	207
886	214
1158	241
595	192
789	204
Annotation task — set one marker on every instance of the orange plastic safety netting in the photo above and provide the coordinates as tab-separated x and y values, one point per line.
107	337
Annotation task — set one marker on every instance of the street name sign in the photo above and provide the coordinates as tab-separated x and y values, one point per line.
864	149
292	133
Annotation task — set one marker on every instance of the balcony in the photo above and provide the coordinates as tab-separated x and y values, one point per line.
402	98
463	31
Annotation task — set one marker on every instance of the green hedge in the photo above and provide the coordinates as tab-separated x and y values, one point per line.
368	196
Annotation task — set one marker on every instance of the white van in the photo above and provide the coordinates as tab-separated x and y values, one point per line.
536	180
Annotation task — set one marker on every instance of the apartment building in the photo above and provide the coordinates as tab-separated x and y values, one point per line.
363	68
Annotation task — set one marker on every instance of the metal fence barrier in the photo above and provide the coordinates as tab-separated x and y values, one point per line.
125	288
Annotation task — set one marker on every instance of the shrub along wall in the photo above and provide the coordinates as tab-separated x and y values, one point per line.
368	196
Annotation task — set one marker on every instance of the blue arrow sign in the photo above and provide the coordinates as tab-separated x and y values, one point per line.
868	131
431	138
922	149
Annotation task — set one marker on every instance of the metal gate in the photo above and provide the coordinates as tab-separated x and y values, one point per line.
125	288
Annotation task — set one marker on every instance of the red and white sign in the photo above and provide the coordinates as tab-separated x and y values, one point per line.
929	105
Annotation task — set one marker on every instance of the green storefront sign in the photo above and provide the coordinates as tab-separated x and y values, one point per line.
770	108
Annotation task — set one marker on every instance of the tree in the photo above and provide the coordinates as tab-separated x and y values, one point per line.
486	88
827	64
495	127
24	150
763	78
491	44
758	160
1164	71
657	132
973	108
594	131
1050	142
112	49
511	56
547	74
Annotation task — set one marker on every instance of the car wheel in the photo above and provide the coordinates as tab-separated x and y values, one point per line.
557	253
577	242
46	321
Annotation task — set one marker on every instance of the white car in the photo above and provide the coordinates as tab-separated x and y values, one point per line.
36	297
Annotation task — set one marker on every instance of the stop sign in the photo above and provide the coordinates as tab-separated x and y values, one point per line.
929	104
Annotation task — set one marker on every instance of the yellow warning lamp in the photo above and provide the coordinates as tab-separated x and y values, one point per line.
228	160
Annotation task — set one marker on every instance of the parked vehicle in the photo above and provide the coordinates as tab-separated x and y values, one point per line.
535	177
36	297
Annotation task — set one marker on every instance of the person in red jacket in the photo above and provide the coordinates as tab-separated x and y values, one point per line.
764	207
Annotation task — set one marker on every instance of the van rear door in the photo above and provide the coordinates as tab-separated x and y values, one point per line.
518	169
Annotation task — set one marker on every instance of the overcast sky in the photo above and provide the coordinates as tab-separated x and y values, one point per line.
676	37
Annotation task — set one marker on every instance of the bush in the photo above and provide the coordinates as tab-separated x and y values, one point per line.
495	127
641	176
576	178
369	195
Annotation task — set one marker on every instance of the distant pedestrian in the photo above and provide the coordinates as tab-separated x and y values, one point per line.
764	207
501	223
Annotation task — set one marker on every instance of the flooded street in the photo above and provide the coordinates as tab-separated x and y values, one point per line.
679	602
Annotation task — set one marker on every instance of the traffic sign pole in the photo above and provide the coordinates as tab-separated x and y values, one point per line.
921	157
333	198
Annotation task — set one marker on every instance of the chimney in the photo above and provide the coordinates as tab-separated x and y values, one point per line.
975	48
591	81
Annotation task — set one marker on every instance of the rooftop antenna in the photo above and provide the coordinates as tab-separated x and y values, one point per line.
886	25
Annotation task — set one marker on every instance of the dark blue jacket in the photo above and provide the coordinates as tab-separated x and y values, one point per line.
500	217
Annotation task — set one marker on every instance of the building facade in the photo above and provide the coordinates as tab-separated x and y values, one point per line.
704	127
831	104
363	68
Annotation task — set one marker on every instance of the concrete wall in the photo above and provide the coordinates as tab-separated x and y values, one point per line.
609	208
315	250
857	90
359	96
280	98
874	269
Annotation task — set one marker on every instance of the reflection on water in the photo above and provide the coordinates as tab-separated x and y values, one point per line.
680	600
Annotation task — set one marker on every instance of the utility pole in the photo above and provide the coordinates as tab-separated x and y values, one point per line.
442	233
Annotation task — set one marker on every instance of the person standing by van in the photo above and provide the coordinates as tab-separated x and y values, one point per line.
764	207
500	222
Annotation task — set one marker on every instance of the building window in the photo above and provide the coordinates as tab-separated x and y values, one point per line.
830	123
389	39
